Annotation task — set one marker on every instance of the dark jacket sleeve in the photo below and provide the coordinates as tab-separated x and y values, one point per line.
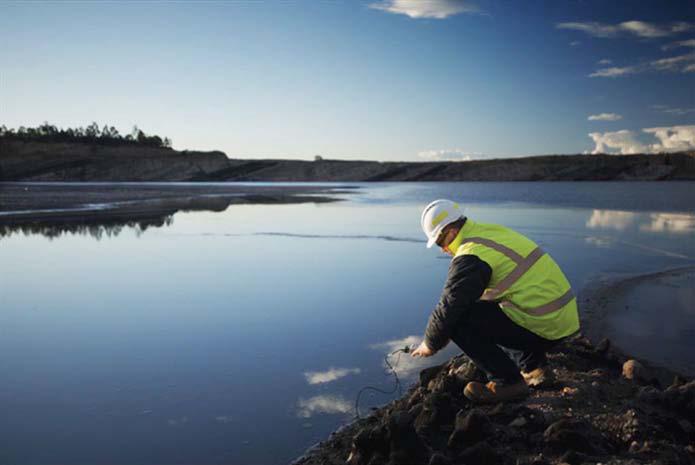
467	279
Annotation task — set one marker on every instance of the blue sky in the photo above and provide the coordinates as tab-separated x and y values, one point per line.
383	80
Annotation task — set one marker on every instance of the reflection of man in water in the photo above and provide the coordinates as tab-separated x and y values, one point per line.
504	297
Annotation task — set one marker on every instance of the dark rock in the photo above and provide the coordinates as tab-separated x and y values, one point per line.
368	443
428	374
573	457
470	428
535	460
416	397
466	371
415	410
598	373
518	422
440	459
481	454
677	382
498	409
449	384
405	445
567	434
686	426
437	412
603	346
681	398
649	394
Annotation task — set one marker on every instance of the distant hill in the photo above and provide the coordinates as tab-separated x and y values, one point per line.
74	161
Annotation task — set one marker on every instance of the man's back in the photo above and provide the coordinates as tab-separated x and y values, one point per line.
528	284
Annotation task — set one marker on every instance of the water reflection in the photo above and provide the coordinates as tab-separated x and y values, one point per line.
611	219
332	374
341	236
677	223
670	222
177	421
106	210
407	366
599	241
323	404
93	227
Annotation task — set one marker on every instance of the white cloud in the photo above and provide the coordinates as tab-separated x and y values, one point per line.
673	138
450	155
323	404
574	43
332	374
611	219
592	28
673	110
605	61
625	142
436	9
682	43
689	69
647	30
679	63
613	71
605	117
640	29
673	63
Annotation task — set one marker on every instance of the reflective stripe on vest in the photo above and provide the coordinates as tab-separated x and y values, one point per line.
522	266
550	307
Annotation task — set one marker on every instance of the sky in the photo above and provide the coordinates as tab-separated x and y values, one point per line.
373	80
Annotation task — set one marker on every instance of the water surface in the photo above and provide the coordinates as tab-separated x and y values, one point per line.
243	336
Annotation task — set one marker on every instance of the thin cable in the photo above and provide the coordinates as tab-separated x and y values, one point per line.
396	386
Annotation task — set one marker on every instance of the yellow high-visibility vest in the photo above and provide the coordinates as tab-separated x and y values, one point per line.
529	286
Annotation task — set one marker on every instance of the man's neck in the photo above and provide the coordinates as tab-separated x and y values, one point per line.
462	234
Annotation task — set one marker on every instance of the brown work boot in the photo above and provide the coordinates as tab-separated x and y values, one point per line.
542	376
492	392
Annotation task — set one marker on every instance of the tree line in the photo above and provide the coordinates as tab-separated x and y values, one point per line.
107	135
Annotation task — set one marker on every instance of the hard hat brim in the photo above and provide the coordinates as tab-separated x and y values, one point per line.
435	234
431	242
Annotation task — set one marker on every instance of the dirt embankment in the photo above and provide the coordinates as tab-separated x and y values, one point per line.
39	161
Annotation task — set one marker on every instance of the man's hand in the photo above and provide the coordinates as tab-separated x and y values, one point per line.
422	351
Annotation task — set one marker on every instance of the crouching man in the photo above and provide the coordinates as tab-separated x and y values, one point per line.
505	303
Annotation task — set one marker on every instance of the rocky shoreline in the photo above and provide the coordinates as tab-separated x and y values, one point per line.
603	407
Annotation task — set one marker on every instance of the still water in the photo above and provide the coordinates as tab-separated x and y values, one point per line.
243	336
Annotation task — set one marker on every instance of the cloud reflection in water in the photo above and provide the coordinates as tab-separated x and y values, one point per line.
670	222
407	366
677	223
325	403
611	219
332	374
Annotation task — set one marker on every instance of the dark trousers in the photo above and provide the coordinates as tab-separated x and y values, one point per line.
497	345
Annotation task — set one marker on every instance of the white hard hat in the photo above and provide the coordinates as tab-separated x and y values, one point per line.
436	216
